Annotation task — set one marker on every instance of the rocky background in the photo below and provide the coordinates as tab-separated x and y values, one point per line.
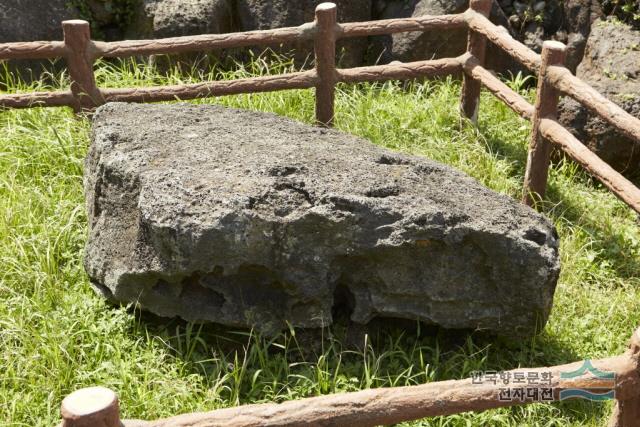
601	34
532	22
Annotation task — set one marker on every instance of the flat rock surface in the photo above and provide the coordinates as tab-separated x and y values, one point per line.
254	220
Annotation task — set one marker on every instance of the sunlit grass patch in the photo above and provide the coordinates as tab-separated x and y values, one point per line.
57	336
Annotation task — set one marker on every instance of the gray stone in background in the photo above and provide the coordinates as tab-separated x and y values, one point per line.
611	65
422	45
174	18
32	20
267	14
251	219
418	46
578	17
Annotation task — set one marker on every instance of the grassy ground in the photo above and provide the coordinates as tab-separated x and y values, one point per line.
57	336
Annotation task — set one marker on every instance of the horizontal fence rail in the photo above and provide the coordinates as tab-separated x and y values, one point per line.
32	50
384	406
392	26
301	80
493	84
597	167
99	406
126	48
572	86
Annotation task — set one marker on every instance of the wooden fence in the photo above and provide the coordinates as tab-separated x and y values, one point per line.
619	375
98	406
554	79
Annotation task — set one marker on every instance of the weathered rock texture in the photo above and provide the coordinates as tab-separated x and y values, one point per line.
173	18
250	219
420	45
267	14
611	65
417	46
30	20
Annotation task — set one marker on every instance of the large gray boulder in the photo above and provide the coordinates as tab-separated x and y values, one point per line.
267	14
611	65
250	219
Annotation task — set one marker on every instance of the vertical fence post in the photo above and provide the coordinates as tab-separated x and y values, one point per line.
325	52
476	46
535	179
77	40
626	413
91	407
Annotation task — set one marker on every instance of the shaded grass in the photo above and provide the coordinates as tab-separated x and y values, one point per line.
57	336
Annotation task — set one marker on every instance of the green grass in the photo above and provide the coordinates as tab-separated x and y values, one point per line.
56	335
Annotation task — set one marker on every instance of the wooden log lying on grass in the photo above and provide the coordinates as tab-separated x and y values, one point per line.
393	405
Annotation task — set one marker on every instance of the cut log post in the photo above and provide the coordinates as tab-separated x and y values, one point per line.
626	412
546	107
91	407
77	40
325	52
476	46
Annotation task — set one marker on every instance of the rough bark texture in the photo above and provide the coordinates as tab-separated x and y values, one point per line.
250	219
476	47
401	71
610	65
40	99
389	406
300	80
325	56
503	40
202	42
493	84
546	106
